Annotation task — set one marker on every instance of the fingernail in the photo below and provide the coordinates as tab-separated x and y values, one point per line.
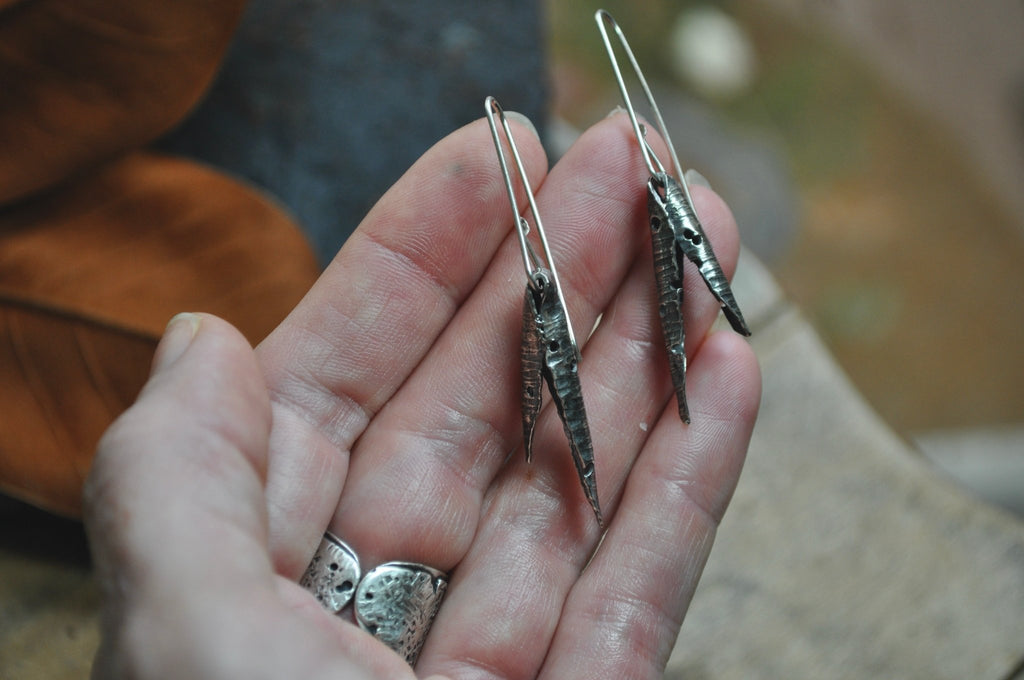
615	111
694	177
181	329
523	120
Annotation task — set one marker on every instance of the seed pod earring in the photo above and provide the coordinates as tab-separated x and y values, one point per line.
675	229
548	347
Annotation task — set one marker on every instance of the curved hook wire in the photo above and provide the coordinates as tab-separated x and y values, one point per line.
604	19
531	261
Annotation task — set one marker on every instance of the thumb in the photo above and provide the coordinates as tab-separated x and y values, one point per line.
176	516
174	504
186	462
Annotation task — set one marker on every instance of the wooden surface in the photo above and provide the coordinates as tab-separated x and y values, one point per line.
49	604
843	554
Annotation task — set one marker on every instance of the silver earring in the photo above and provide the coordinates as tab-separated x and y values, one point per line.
676	230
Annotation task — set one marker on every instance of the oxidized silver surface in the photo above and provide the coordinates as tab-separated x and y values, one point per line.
548	347
667	200
549	350
676	232
396	603
332	574
531	364
668	275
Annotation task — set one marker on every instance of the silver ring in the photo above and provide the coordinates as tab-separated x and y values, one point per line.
332	574
397	602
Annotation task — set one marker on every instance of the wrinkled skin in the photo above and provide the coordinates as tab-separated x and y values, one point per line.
385	408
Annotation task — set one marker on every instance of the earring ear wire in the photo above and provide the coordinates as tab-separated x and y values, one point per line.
604	19
548	350
676	231
531	261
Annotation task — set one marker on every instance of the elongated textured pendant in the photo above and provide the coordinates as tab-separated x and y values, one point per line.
531	364
553	343
668	199
668	276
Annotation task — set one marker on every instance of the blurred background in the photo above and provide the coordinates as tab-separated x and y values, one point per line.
873	153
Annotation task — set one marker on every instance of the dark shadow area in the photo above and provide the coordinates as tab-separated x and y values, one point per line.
33	533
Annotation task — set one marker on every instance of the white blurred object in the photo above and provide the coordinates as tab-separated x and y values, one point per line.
712	53
988	461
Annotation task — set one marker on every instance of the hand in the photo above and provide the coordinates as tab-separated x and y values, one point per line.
386	409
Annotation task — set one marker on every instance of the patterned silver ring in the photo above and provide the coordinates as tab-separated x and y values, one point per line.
395	602
332	574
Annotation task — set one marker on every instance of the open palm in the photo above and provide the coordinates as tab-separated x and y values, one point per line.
385	408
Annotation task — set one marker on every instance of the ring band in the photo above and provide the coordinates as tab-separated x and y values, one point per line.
332	574
395	602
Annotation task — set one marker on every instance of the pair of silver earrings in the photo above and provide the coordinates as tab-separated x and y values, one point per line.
549	349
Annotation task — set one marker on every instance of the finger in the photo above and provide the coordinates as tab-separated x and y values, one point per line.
420	471
622	617
206	407
538	530
177	525
370	319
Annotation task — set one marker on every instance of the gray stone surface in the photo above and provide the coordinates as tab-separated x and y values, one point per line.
326	104
844	554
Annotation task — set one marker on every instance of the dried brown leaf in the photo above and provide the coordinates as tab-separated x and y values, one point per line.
89	276
82	81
